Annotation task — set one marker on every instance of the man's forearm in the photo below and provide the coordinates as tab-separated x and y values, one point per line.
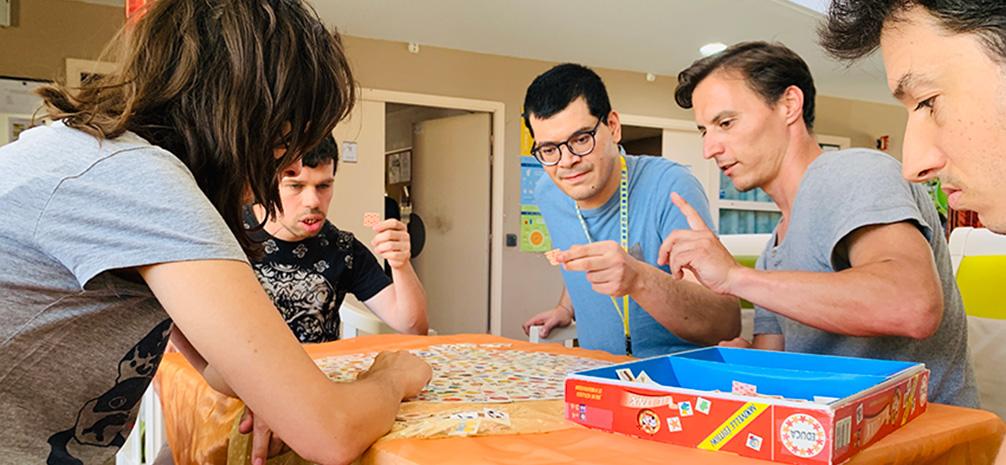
870	300
410	300
689	310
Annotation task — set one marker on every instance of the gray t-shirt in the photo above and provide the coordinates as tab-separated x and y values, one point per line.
841	192
80	333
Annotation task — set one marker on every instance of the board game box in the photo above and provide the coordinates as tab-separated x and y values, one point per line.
785	407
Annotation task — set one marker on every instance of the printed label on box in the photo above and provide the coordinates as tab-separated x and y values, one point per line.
843	433
754	442
673	424
733	425
802	435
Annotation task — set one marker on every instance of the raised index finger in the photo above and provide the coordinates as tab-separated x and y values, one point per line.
694	220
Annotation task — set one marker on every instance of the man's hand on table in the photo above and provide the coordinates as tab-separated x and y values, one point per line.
265	444
402	369
555	317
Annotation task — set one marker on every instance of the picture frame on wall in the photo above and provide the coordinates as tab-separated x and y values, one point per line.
399	167
79	71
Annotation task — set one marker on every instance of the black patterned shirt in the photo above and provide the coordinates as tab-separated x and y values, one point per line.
307	280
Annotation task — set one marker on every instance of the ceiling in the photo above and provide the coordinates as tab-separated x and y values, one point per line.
648	36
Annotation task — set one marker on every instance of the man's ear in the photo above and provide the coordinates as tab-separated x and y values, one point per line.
615	126
792	103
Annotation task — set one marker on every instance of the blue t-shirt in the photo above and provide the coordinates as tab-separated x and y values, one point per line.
652	217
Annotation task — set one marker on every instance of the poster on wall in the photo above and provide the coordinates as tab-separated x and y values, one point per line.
533	233
394	168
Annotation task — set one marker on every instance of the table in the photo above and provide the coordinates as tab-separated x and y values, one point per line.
200	425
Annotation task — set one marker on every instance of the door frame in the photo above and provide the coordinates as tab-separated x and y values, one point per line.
498	112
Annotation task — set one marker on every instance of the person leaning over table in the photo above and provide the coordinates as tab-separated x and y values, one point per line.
123	225
622	302
858	265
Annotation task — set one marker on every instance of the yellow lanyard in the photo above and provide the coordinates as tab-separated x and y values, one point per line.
623	207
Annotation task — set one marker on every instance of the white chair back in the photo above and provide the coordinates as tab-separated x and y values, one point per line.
979	259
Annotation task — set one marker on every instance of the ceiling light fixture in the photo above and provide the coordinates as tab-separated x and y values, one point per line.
709	49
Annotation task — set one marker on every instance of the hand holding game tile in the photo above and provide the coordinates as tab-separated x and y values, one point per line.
392	242
370	219
610	269
553	256
698	250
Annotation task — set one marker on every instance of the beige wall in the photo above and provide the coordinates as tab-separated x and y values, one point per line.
863	122
45	32
48	31
529	283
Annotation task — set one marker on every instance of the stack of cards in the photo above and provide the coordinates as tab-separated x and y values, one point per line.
370	219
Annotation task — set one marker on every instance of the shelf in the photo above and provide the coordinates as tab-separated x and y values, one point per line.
747	205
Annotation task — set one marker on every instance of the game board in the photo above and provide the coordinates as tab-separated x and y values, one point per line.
489	373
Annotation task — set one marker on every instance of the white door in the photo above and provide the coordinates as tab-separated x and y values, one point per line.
450	192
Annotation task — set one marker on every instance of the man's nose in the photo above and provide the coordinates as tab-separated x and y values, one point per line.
922	158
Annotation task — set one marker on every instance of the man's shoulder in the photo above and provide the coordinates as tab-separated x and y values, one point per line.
855	161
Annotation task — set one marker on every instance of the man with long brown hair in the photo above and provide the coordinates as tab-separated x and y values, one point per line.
125	216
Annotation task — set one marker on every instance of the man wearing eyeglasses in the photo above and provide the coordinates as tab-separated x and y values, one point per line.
608	213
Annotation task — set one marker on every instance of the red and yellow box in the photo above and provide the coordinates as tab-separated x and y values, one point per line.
786	407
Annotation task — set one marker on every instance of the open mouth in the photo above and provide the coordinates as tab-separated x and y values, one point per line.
727	167
312	224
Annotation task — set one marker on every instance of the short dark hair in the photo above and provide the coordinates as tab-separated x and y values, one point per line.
555	89
327	151
853	28
768	69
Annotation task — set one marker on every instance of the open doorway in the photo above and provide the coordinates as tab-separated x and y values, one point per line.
640	140
438	181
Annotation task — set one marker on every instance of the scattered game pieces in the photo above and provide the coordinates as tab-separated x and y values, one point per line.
685	408
703	405
553	256
484	373
744	389
371	219
468	427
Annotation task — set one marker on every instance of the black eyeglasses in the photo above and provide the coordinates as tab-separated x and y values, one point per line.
578	144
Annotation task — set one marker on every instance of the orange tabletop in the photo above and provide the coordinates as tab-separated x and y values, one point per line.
200	422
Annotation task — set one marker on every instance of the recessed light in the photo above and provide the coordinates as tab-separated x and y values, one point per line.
709	49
